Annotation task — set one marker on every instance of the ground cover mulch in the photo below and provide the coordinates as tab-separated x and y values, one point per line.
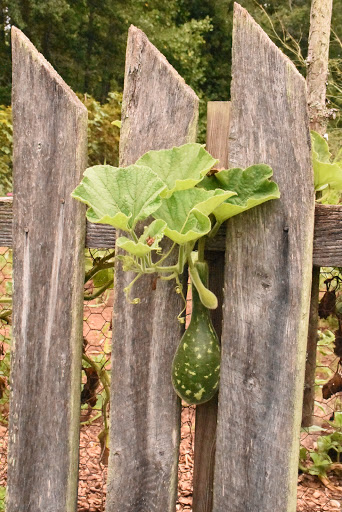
312	495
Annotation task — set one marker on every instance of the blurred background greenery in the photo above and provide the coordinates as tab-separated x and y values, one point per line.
85	42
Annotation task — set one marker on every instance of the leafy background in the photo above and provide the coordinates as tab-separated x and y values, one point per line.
85	41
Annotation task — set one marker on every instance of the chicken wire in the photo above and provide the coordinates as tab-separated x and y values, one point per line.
312	494
323	492
5	339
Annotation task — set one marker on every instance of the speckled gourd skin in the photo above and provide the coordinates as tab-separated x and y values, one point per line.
196	365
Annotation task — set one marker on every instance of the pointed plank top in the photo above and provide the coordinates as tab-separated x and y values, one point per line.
158	96
241	15
19	39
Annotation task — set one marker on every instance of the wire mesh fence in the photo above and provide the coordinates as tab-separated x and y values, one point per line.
5	341
320	478
320	481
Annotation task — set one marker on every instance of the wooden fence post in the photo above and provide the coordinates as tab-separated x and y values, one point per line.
267	284
206	414
50	147
159	111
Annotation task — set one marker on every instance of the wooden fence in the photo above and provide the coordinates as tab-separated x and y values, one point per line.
263	261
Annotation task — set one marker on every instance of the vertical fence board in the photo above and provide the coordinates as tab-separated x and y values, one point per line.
159	111
206	414
50	144
267	284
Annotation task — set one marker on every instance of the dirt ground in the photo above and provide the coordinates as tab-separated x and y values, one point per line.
312	494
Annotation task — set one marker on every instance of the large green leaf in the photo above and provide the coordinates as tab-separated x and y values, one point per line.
251	186
326	173
179	168
119	196
149	240
186	213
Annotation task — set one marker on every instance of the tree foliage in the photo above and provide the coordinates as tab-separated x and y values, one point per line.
85	41
103	136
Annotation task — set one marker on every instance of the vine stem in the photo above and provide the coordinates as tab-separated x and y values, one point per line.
215	229
201	248
165	255
102	265
99	291
103	376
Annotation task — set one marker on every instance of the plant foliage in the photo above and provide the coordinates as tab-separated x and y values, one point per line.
171	186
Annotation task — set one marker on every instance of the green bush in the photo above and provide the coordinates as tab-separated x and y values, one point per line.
103	136
6	142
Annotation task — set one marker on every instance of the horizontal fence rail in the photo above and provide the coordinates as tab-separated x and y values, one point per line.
327	248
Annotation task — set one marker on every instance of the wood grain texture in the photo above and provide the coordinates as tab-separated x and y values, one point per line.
206	414
327	247
316	83
267	284
318	64
159	111
6	221
100	236
327	250
311	353
50	147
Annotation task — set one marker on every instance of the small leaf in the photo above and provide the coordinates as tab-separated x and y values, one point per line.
251	186
103	276
303	453
119	196
186	213
116	123
326	173
337	423
180	168
149	240
320	147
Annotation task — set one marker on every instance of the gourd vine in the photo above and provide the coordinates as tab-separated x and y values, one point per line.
165	206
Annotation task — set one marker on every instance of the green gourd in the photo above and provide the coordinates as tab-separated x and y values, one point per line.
196	365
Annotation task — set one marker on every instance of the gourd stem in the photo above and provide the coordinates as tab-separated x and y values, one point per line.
208	298
201	248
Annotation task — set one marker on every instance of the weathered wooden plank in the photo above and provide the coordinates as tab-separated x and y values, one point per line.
206	414
159	111
327	247
267	284
50	147
100	236
6	220
316	84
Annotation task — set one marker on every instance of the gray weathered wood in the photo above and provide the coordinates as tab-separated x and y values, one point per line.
6	221
100	236
327	248
159	111
50	145
318	63
267	284
316	82
311	353
206	414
